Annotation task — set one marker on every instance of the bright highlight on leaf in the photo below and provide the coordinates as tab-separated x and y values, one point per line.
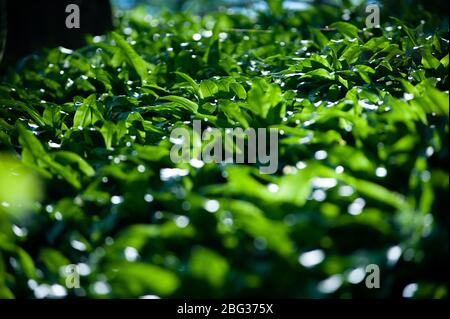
89	184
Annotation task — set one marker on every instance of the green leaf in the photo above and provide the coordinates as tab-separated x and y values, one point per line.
190	80
319	37
53	260
52	116
213	54
138	235
262	97
141	67
233	112
346	29
25	108
444	61
137	279
109	131
70	157
275	7
208	265
182	102
252	220
41	159
150	152
88	113
239	90
103	76
318	74
428	60
364	72
433	101
30	142
26	263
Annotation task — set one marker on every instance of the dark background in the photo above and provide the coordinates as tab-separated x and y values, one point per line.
31	25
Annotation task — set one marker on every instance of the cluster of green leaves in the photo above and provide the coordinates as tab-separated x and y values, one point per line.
362	176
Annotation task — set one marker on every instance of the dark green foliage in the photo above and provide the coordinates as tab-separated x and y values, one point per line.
362	172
